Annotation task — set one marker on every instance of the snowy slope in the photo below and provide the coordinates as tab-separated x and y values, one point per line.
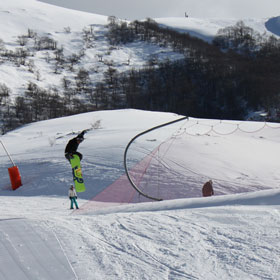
21	15
207	28
238	161
66	27
226	242
230	236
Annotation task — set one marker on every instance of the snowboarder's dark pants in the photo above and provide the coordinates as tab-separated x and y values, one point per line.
73	201
70	155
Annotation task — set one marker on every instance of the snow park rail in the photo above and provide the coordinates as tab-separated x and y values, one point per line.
127	147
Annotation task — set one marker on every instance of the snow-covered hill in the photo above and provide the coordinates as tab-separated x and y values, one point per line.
67	28
238	156
229	236
206	29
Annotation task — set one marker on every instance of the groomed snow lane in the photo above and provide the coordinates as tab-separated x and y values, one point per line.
30	251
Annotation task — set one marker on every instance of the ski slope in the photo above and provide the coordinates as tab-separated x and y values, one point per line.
227	236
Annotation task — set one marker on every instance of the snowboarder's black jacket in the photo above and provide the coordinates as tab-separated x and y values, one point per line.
72	145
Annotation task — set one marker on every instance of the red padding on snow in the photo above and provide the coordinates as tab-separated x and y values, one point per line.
15	177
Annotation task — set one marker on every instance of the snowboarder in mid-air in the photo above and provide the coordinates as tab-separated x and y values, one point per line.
72	146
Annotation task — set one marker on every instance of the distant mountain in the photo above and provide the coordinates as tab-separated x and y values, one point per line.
206	29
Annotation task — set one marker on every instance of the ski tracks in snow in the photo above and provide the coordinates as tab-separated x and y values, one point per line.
213	243
210	243
28	251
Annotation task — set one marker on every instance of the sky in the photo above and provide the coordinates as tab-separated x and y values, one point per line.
135	9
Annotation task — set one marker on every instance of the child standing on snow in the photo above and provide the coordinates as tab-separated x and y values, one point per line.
73	196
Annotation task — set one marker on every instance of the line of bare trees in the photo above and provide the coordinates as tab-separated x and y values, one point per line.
238	73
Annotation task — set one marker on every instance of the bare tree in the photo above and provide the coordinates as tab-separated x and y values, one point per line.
22	40
4	94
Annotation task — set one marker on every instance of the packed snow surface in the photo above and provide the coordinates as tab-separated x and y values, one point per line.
227	236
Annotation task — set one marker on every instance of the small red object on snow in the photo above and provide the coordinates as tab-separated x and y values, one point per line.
13	171
15	177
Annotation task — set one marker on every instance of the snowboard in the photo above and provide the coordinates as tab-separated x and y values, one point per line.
77	174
